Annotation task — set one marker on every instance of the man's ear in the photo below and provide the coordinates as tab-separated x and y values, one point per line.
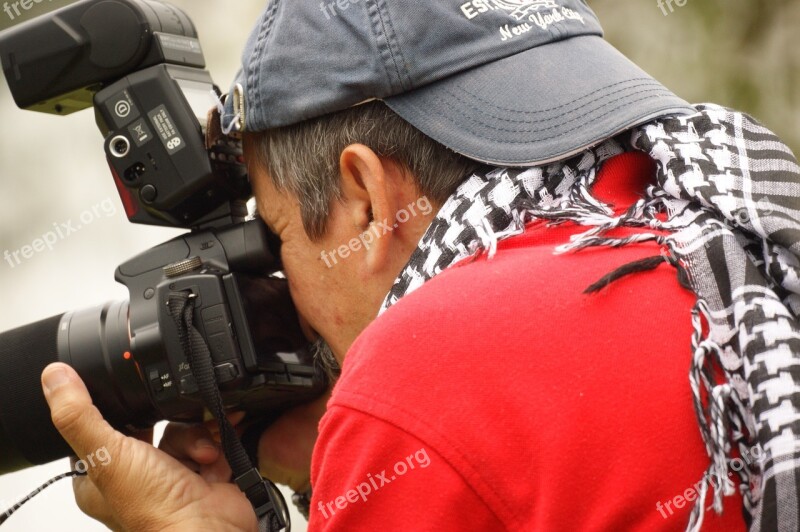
369	197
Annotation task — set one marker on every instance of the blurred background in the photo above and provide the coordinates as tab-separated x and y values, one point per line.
739	53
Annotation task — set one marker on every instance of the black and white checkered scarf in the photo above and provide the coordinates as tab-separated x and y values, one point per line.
729	191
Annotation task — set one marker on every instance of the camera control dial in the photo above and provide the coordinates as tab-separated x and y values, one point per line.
183	267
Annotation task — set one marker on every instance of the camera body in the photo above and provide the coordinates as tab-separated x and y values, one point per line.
260	356
140	65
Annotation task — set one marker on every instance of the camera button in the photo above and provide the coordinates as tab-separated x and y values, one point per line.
226	372
155	381
149	193
188	385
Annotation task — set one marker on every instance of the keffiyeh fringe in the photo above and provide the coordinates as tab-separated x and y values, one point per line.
725	209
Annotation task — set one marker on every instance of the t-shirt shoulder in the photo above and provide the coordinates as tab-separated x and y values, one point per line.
399	483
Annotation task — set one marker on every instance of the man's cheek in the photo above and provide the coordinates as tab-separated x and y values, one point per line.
308	330
307	299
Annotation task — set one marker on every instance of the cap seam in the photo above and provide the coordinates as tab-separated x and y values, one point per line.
603	136
555	156
380	29
578	117
255	77
545	120
401	69
650	81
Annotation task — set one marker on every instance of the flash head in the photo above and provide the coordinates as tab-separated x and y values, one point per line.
140	65
57	62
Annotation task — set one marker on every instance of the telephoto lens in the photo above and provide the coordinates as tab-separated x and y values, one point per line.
96	342
27	436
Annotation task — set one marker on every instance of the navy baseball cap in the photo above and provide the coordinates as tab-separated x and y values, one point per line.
506	82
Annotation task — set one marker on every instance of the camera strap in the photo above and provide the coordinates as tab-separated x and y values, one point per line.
8	513
267	501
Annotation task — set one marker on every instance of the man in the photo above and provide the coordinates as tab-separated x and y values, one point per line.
410	156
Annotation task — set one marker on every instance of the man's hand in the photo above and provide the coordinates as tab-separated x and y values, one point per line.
284	449
143	488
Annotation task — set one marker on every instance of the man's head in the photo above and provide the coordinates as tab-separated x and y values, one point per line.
457	84
510	83
350	194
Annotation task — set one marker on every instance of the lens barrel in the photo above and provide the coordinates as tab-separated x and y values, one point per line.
276	370
27	435
94	342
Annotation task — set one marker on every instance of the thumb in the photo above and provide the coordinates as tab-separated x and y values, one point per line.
138	483
74	416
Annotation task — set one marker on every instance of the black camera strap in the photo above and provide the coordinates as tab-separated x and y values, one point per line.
267	501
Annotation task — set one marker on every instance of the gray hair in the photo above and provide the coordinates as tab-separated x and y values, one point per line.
303	159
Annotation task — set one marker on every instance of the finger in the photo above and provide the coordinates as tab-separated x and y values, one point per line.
189	442
73	414
84	429
192	466
235	418
219	471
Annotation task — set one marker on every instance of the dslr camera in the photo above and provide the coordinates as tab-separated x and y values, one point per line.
140	65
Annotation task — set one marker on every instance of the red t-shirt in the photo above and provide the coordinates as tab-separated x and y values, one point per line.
499	396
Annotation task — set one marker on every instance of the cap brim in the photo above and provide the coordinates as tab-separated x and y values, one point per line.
538	106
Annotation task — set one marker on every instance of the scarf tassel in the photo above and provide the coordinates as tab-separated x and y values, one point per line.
724	408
